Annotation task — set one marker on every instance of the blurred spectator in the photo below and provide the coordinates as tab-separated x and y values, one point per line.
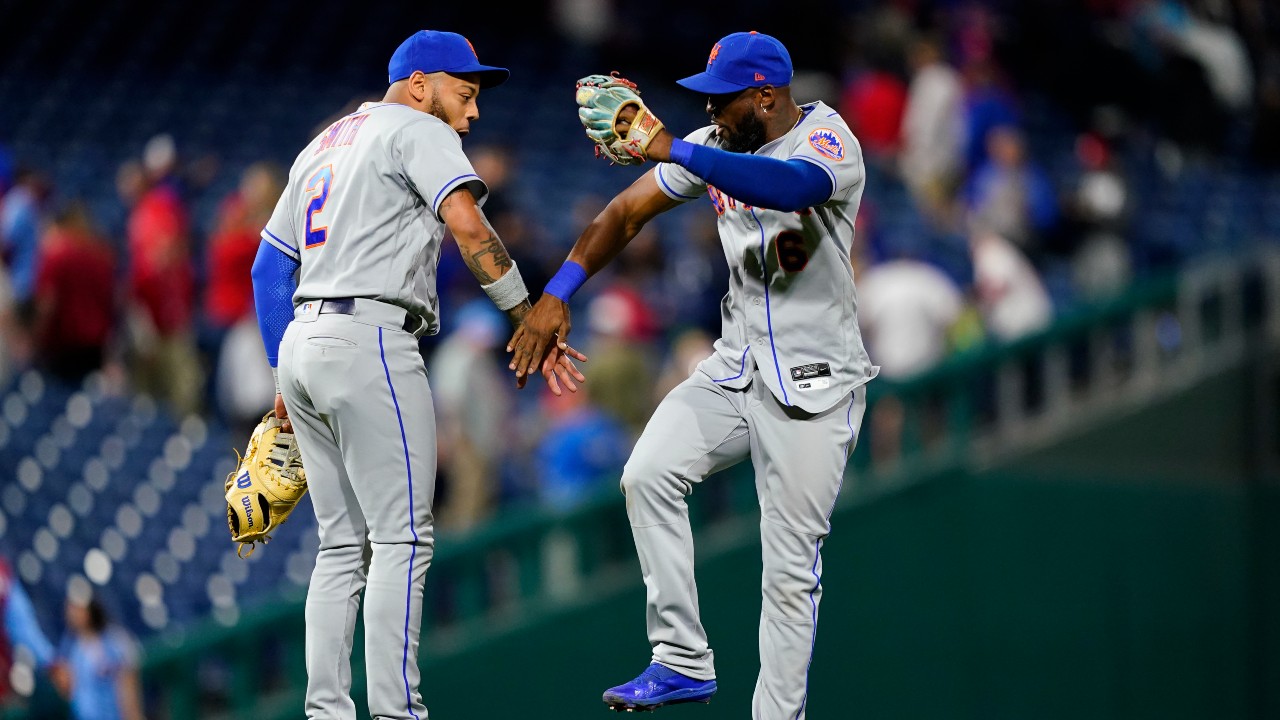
687	350
622	330
161	281
581	450
906	309
1011	298
695	277
640	270
933	130
14	342
472	394
988	105
102	661
1100	206
75	296
873	101
21	632
242	377
228	297
1011	196
520	234
229	292
495	165
20	217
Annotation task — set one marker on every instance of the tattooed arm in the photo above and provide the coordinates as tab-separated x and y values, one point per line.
480	246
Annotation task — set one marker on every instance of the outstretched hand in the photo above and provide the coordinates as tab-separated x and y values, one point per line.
541	343
558	369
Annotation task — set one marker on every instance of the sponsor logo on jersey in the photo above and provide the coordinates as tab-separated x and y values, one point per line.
248	510
819	384
827	143
243	482
714	52
810	371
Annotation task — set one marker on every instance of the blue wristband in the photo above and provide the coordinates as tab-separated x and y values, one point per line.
567	280
681	152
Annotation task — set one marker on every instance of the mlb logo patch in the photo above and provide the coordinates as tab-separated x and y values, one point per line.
827	143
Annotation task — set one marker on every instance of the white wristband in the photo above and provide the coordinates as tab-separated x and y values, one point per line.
507	291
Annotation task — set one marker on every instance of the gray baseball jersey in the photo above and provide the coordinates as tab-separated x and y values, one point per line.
360	209
360	215
791	310
790	325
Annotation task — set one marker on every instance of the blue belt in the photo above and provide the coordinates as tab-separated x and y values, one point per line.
347	306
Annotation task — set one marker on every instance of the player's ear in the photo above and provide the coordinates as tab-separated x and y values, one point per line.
418	85
767	98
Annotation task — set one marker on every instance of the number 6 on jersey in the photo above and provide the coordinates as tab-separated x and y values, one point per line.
319	184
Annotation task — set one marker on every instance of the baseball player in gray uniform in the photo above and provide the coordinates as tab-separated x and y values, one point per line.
785	385
361	222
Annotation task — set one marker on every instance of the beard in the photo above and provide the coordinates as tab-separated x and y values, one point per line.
437	109
746	137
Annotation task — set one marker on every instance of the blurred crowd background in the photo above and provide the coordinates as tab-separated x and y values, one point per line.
1023	158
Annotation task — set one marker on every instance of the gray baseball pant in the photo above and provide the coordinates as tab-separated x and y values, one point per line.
799	458
356	390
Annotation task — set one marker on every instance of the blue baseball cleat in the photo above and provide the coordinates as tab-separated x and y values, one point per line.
658	685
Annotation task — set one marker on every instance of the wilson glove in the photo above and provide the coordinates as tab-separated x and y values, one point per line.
266	486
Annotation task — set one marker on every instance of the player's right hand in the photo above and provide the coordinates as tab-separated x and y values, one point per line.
545	326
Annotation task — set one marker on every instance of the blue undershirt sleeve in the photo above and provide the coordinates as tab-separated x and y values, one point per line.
273	287
786	185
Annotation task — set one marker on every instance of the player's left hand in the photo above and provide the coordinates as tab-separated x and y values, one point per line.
283	414
558	369
601	100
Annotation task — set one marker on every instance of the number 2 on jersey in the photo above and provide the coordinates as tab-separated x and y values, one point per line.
318	184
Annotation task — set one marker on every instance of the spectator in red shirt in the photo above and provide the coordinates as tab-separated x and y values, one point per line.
229	293
229	335
162	284
74	296
874	101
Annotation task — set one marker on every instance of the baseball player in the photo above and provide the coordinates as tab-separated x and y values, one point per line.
361	222
785	385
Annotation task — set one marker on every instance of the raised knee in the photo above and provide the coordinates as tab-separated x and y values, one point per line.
646	476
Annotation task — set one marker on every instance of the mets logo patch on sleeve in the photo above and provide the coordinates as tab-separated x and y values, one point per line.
827	143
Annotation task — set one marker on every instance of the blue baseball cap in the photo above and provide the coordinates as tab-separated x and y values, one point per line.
740	61
439	51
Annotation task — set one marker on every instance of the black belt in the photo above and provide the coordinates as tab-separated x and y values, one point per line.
347	306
